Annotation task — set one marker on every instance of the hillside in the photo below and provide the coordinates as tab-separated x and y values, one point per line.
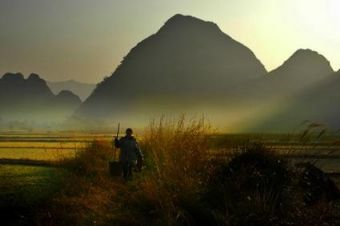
188	66
31	102
315	104
188	62
302	70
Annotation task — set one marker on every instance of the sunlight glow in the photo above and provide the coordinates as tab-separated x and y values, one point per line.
334	9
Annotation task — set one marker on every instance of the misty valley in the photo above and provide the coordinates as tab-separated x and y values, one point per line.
188	67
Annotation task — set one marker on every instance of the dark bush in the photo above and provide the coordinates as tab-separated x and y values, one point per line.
250	189
316	185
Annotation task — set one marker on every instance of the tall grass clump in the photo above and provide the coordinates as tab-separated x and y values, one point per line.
85	197
176	154
92	162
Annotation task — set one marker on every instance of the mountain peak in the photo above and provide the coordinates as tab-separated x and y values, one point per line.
307	53
306	61
309	58
13	76
35	80
181	22
65	93
34	77
180	18
187	58
68	97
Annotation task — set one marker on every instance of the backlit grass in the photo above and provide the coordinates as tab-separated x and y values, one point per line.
175	186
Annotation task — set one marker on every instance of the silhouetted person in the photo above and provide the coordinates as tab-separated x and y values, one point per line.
129	153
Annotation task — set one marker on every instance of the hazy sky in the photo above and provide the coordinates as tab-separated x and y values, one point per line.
86	39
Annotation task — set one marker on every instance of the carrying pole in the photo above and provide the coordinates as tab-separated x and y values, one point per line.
115	150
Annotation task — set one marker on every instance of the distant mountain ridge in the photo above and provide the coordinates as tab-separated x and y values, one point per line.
15	85
190	66
300	71
305	66
284	93
187	60
81	89
31	101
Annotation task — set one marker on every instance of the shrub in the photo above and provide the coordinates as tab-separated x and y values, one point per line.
316	185
250	189
86	195
91	162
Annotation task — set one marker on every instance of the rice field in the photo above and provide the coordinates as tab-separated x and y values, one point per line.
25	179
46	147
62	145
27	149
25	185
53	147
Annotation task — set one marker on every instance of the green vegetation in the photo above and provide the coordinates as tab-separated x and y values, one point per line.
24	191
